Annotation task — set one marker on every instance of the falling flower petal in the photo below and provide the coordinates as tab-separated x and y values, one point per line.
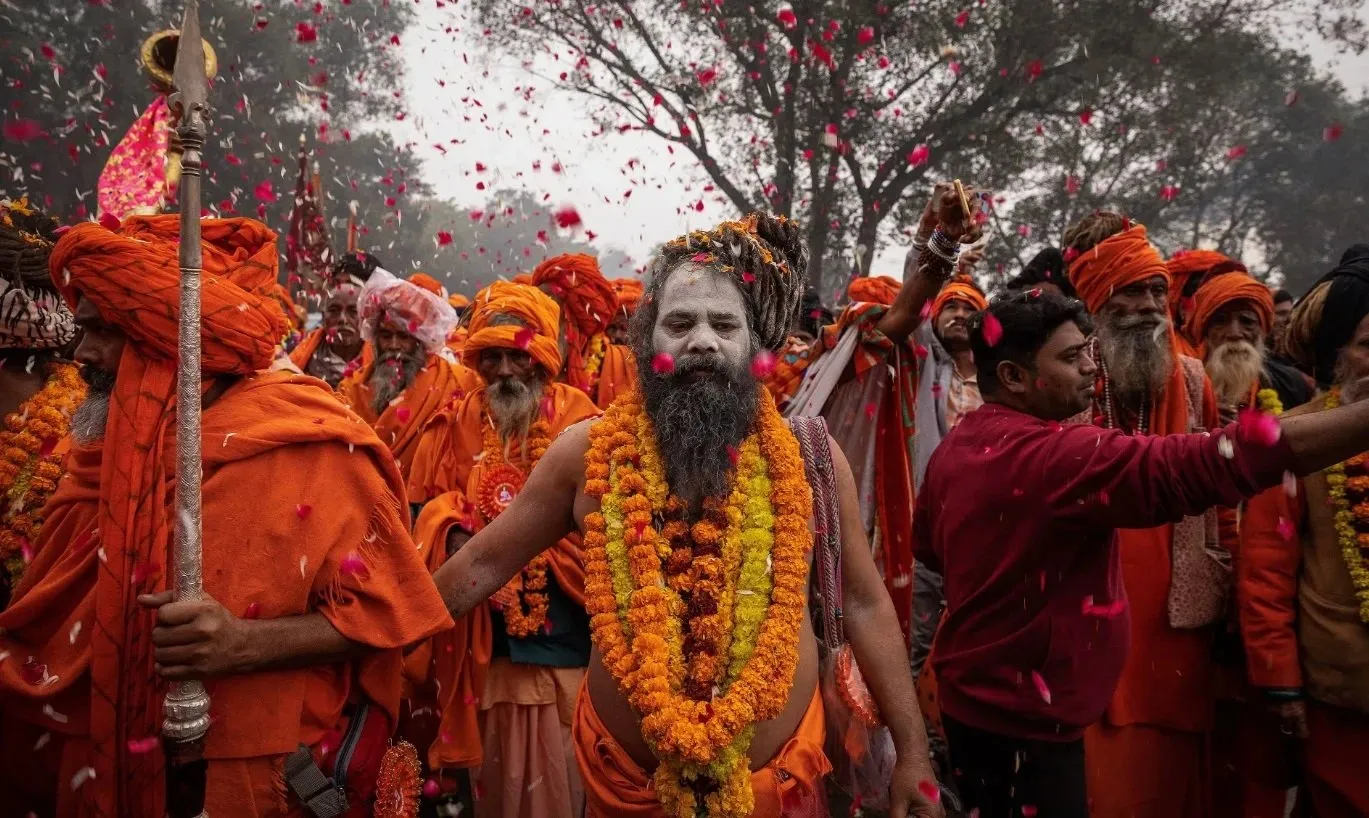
305	33
992	329
1225	449
138	746
1285	528
1290	484
303	510
22	130
1086	116
1332	132
786	18
1041	689
919	155
866	35
929	790
82	776
663	364
431	789
266	192
1235	153
567	217
353	566
763	364
74	632
1259	426
444	238
253	611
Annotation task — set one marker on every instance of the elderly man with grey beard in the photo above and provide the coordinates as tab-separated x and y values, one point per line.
1230	316
504	681
412	374
1147	757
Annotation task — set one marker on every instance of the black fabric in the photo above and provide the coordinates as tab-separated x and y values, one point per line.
1346	305
1291	384
565	643
1000	776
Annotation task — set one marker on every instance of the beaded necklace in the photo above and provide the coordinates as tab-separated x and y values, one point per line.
1109	416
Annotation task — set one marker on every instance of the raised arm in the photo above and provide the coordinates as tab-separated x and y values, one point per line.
923	271
872	628
542	513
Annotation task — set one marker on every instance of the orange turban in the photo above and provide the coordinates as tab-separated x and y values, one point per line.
535	309
428	283
1115	262
961	288
874	290
524	278
586	296
1186	264
629	292
133	277
1223	289
458	301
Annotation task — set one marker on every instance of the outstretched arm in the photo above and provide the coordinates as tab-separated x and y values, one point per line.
872	628
541	514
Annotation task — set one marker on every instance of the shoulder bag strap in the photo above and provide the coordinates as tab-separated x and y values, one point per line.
825	585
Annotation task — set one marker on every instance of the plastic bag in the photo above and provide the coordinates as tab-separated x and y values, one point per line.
862	756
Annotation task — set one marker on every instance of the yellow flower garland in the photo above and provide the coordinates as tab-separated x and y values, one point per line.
1352	543
638	618
1269	401
28	470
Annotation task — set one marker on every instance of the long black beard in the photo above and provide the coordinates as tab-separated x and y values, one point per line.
699	424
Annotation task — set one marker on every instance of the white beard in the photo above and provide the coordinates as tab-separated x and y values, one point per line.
1234	367
89	420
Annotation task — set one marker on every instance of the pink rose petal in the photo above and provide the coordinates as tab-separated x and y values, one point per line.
663	364
763	364
303	510
1041	689
138	746
1260	427
929	790
993	331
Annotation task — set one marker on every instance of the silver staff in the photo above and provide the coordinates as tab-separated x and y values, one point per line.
187	704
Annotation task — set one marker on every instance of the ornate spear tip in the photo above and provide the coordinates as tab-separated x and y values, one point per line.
189	76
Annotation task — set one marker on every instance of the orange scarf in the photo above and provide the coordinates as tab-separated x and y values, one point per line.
133	277
959	289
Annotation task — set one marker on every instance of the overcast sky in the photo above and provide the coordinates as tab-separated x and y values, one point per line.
460	90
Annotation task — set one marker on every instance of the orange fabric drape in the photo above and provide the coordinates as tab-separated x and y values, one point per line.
629	292
133	277
588	302
959	289
450	473
615	787
1219	291
617	374
400	426
458	301
428	283
874	290
252	436
539	314
1186	264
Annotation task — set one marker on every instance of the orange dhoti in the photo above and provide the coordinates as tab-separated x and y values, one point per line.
790	784
1335	782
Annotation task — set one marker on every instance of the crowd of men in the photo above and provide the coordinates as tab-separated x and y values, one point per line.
577	546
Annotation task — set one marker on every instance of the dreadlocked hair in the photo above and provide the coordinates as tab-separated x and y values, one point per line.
1300	337
763	254
26	239
1093	228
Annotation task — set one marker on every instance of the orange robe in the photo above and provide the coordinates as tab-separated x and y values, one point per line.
617	374
615	787
449	470
1298	615
438	385
351	560
1148	755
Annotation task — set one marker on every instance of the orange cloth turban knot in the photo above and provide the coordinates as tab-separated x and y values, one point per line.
458	301
428	283
961	288
1115	262
874	290
1186	264
1223	289
587	298
419	312
538	336
629	292
133	276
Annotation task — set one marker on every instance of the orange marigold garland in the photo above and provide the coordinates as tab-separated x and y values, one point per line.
524	599
1344	485
639	617
29	470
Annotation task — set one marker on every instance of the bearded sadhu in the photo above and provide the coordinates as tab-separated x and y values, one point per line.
594	364
412	375
1148	754
305	612
1189	270
693	501
505	678
629	293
